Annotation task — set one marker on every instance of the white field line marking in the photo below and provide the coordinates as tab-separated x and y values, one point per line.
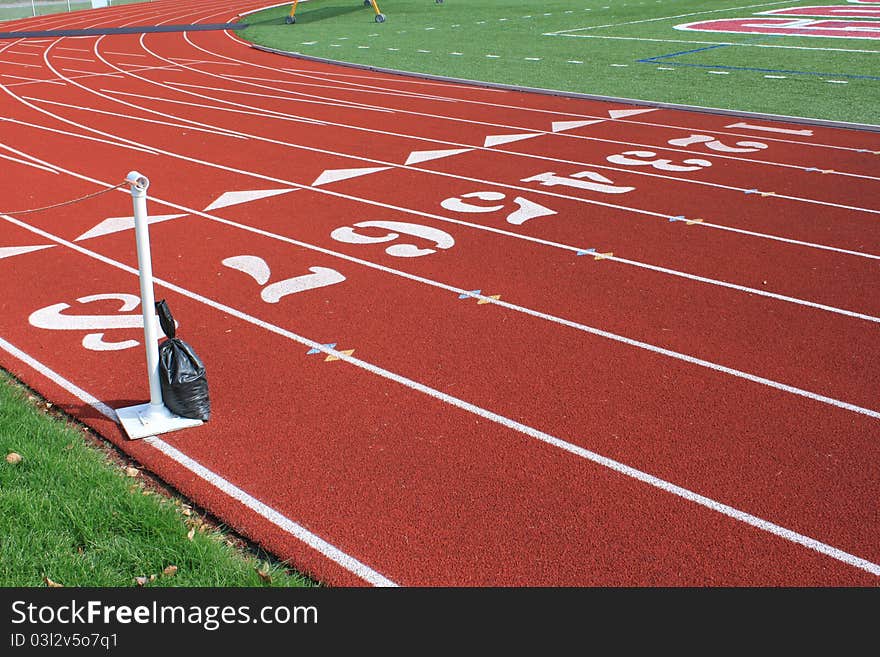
265	114
339	103
314	75
373	78
275	517
90	74
817	305
664	216
821	306
527	311
713	43
91	110
349	89
342	87
127	145
641	122
601	166
20	64
668	18
75	59
27	163
513	153
533	156
575	248
29	80
506	422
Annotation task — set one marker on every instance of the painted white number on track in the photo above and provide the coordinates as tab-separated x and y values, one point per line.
715	145
641	158
525	209
256	268
439	238
599	182
54	319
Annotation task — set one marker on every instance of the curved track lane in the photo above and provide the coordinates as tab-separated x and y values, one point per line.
455	335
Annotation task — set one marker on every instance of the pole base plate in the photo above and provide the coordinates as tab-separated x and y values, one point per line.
151	420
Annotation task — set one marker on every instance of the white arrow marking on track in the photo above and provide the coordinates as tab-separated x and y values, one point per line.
117	224
617	114
559	126
334	175
9	251
423	156
234	198
494	140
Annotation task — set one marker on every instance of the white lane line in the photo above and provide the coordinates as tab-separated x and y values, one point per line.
21	64
578	199
127	146
27	162
521	309
541	191
91	74
599	139
91	110
75	59
660	269
30	80
278	519
635	122
639	475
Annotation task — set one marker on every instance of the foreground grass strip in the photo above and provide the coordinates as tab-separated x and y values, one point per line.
73	514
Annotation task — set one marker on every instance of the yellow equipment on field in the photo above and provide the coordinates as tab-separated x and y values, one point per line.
380	17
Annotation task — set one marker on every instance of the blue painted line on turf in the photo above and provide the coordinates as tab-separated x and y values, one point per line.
652	60
683	52
586	251
773	70
469	295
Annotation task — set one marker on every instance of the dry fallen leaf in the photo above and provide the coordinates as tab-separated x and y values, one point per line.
13	458
140	581
51	584
132	472
191	533
264	575
170	571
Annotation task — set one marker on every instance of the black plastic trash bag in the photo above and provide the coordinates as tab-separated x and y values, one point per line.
182	372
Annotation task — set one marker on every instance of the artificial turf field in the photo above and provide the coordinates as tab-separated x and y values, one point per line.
625	49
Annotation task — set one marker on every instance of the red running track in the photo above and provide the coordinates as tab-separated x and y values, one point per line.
455	336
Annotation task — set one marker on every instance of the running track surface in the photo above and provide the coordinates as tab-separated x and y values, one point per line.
455	336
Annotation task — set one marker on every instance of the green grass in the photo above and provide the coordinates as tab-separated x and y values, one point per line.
509	42
72	514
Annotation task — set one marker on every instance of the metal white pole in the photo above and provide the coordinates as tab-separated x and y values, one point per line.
139	185
153	418
33	8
